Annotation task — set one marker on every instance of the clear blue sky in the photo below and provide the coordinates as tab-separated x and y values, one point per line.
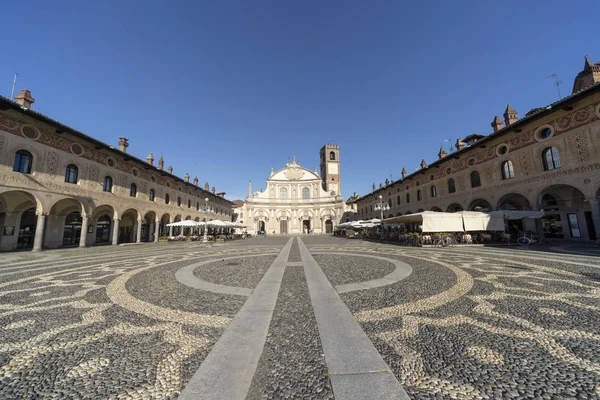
227	89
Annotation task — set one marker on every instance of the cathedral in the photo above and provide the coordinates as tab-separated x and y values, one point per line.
297	200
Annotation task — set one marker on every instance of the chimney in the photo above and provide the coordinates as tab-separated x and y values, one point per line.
150	159
374	187
249	188
170	170
380	185
423	164
186	177
161	163
196	181
404	173
213	189
24	99
497	124
206	187
123	144
510	116
459	144
442	153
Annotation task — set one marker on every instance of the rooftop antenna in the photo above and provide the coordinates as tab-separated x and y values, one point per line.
556	83
14	84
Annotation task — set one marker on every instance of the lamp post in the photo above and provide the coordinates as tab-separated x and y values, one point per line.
381	206
205	238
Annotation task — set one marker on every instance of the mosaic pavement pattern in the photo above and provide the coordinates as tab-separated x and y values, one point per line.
466	323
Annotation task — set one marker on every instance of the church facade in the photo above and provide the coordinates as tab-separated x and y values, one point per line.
297	200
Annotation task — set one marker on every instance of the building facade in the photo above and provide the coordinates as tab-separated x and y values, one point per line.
297	200
59	187
549	160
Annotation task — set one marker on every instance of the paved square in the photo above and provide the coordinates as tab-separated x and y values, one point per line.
310	317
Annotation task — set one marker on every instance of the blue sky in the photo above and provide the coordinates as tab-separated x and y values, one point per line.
227	89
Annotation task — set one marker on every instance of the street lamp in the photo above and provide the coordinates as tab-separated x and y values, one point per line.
205	238
381	206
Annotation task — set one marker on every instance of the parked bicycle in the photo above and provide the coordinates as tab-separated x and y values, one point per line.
445	241
526	240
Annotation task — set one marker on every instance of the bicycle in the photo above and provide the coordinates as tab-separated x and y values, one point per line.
445	242
527	240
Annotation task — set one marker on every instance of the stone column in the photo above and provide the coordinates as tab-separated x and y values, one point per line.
84	229
156	230
115	234
171	231
595	204
138	232
39	232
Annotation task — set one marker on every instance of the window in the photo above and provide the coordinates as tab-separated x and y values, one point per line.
178	201
71	174
133	190
189	203
167	198
152	195
545	133
451	186
283	194
408	197
398	199
390	203
108	184
433	191
332	155
198	206
305	193
23	161
419	195
507	170
475	179
551	158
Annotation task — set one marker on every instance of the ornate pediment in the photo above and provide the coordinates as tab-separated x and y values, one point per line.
294	174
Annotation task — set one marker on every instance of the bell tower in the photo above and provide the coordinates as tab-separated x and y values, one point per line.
330	168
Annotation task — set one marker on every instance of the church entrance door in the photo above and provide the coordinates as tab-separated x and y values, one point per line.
306	226
328	226
283	227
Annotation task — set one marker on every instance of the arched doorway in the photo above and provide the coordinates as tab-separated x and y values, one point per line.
480	205
72	229
436	209
177	229
18	220
149	228
164	229
27	227
101	225
306	226
63	224
328	226
515	201
454	207
103	229
565	209
128	227
261	227
283	226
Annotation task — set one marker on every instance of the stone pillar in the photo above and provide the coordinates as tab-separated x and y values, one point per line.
39	232
115	233
171	231
84	229
156	230
138	232
595	204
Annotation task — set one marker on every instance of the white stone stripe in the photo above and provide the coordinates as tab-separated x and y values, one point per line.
186	276
401	271
227	371
356	369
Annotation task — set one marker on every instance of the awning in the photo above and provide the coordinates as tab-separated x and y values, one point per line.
518	214
432	221
480	221
186	224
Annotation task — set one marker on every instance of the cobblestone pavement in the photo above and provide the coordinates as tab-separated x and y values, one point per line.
466	323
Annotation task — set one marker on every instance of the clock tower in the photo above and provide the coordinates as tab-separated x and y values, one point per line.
330	168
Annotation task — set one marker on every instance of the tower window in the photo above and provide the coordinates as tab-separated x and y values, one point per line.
332	155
